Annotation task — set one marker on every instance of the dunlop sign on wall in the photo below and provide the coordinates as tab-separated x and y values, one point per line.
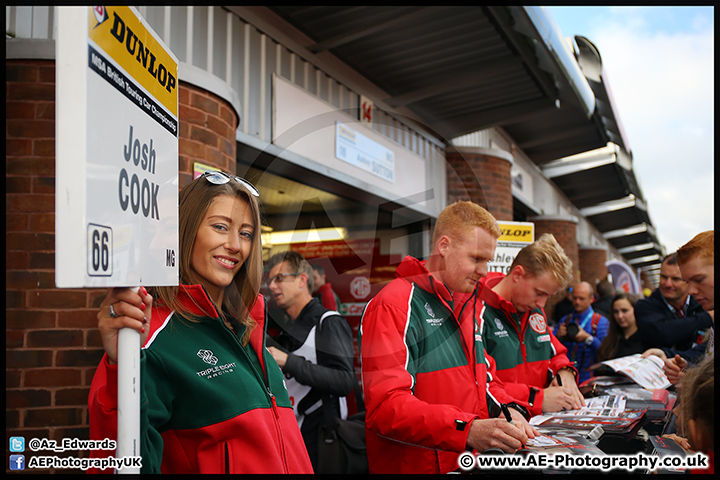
515	236
117	151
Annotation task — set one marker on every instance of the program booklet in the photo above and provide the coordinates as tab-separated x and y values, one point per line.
646	372
563	443
621	423
664	447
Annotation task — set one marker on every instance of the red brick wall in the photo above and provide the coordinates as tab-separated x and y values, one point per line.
207	131
565	232
592	264
483	179
52	342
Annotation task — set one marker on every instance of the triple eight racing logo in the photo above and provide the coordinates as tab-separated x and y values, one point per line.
208	357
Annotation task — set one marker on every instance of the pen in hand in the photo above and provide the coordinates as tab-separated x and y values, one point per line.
508	417
506	412
559	380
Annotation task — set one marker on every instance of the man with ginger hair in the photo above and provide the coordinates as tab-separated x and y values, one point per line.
528	356
696	260
430	390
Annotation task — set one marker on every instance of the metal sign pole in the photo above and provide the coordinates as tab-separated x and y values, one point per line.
128	441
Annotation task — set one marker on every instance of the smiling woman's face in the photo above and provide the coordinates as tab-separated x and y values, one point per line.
222	244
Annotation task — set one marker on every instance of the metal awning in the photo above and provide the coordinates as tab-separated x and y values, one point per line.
617	214
591	178
626	238
461	69
602	184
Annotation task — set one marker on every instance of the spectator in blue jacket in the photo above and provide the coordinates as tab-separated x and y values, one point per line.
582	331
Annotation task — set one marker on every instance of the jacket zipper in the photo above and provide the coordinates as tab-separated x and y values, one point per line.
521	334
264	380
469	355
277	428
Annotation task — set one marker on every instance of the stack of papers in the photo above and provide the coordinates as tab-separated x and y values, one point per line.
570	443
608	412
646	372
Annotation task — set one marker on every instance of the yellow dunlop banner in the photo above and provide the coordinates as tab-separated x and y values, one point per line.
124	37
516	232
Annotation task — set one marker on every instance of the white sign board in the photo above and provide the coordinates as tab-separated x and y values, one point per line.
515	236
116	151
356	149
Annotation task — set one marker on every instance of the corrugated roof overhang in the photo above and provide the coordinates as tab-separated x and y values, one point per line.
630	237
461	69
591	178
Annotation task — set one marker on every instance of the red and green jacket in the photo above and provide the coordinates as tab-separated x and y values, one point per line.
208	404
425	373
526	352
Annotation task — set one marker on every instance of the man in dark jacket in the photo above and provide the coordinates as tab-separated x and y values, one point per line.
314	348
670	319
605	293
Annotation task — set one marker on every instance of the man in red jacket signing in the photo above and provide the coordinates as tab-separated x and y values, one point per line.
430	390
531	362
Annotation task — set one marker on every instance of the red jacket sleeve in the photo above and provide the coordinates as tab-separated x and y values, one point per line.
501	392
327	298
521	391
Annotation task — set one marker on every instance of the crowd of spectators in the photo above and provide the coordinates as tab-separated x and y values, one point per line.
453	359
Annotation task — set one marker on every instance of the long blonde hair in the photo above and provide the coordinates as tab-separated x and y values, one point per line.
240	296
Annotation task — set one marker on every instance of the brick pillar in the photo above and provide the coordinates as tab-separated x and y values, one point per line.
481	175
564	228
52	341
592	264
207	131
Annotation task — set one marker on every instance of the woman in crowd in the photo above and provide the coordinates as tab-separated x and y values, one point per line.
213	398
622	338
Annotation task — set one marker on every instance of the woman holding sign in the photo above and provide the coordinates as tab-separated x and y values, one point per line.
213	399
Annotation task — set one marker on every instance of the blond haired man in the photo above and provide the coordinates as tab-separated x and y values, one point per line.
426	378
531	362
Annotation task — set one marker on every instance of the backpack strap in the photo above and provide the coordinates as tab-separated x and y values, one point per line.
594	322
358	392
329	313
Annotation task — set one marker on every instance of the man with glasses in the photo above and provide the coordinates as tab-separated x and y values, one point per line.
314	348
670	321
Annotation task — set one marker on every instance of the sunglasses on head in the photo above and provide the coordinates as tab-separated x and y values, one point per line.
221	178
